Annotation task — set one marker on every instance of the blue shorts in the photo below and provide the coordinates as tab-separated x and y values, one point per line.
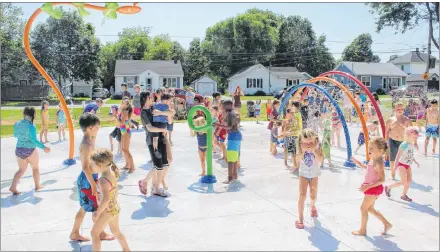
233	147
273	138
432	131
170	127
88	202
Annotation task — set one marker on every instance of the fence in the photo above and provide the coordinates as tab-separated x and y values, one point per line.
24	92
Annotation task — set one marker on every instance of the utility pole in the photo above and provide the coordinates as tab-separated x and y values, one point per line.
426	83
269	79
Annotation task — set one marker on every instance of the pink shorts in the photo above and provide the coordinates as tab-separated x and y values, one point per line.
374	191
137	111
406	166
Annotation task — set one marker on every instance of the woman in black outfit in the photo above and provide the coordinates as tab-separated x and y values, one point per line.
159	164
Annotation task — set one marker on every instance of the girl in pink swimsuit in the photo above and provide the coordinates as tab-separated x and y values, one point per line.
372	186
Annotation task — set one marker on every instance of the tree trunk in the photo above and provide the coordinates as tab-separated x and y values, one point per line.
431	21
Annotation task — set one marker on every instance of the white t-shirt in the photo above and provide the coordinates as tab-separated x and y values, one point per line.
189	97
309	166
407	153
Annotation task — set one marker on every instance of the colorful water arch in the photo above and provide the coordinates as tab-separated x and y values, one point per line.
285	100
110	10
366	90
354	103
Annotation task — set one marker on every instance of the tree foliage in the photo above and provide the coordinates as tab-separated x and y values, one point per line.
67	48
195	63
406	16
14	62
360	50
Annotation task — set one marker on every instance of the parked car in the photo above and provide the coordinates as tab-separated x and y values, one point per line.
408	91
179	92
100	93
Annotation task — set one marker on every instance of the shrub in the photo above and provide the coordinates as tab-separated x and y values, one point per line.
260	93
380	91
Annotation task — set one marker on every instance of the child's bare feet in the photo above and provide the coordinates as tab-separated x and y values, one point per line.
106	237
387	227
164	185
359	232
202	174
39	187
227	181
14	191
78	237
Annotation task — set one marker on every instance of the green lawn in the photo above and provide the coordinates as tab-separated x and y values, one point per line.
112	101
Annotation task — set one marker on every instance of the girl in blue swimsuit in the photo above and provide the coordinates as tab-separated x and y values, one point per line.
202	142
26	134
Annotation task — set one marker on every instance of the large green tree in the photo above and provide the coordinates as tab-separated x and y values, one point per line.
323	60
360	50
241	41
14	62
195	63
297	45
407	16
67	48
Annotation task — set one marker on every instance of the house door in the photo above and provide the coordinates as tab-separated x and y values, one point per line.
384	82
149	84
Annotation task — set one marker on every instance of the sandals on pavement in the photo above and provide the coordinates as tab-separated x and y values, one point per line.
387	191
405	198
314	213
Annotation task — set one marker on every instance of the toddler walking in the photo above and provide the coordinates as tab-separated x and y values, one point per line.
310	158
372	186
108	208
405	158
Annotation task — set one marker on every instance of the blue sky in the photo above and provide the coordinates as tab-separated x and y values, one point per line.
340	22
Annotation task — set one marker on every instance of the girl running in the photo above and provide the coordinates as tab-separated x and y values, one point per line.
61	122
373	184
310	158
202	142
108	208
405	158
26	134
123	119
44	121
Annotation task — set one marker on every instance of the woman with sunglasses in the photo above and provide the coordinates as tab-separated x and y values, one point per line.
123	119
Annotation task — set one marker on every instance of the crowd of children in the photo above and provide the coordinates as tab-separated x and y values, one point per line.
298	127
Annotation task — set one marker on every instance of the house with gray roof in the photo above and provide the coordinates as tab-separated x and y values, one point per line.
413	63
149	74
267	79
373	75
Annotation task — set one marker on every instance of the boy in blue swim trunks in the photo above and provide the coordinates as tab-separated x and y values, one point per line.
234	139
86	182
432	125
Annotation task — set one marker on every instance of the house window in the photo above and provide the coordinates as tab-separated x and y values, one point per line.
366	80
292	82
402	67
169	82
130	81
394	82
254	83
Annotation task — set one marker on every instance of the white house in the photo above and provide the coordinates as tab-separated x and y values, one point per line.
413	62
149	74
204	85
270	81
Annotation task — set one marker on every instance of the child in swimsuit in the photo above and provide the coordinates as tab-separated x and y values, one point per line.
405	158
26	134
160	120
326	142
214	114
108	209
221	135
44	121
257	110
310	158
372	186
202	142
116	133
336	127
61	122
432	125
361	141
86	181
